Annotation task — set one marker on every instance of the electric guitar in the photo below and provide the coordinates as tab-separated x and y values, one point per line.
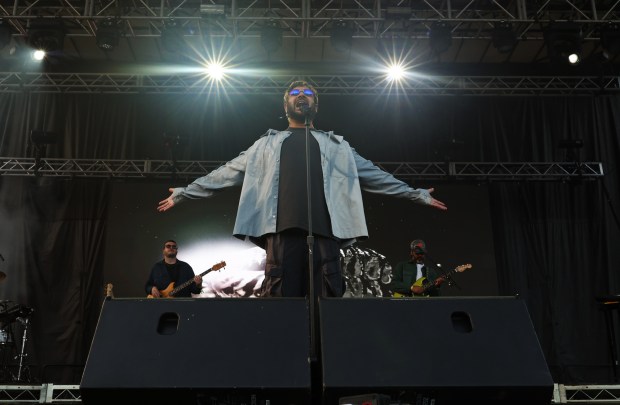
171	290
425	285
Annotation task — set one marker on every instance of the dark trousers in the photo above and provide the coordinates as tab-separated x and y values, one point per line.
287	270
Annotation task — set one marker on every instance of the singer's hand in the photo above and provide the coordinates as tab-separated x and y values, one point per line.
165	205
436	203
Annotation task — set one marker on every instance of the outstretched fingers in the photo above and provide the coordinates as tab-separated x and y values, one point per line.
436	203
165	205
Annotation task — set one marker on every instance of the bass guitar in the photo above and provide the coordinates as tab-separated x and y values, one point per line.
171	290
425	285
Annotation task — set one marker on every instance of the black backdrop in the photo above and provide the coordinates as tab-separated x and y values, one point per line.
554	244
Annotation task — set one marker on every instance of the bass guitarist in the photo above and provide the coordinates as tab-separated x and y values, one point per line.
169	272
408	276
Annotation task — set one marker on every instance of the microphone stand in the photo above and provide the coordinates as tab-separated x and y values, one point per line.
313	359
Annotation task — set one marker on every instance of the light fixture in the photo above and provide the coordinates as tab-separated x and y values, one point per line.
209	10
395	72
563	42
394	49
341	36
5	33
440	36
46	34
610	40
271	37
172	36
39	140
398	13
504	38
108	34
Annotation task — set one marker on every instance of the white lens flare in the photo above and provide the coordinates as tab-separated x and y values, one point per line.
38	54
215	71
395	72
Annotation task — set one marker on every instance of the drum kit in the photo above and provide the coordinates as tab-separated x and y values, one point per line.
11	315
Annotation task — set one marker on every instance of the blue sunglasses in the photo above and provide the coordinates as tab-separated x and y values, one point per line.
307	92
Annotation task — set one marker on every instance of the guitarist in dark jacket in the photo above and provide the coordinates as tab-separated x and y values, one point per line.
414	277
170	272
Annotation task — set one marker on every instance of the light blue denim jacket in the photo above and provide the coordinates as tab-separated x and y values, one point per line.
257	170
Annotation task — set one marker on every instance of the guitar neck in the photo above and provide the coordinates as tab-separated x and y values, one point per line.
457	269
431	285
188	282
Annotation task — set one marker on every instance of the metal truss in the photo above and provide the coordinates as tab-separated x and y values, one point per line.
348	84
586	394
165	169
313	18
50	393
233	28
40	394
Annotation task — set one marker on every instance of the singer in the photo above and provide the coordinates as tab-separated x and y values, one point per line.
273	207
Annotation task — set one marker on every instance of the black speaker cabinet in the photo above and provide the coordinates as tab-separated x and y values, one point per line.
193	351
434	351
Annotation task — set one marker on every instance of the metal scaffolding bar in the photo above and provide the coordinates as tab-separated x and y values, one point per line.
370	18
40	394
166	169
50	393
119	83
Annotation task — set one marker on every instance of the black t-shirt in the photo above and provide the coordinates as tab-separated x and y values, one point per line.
173	271
292	196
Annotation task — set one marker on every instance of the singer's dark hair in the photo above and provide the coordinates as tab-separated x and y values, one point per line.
300	83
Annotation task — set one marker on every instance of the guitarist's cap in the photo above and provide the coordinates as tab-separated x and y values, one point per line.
418	243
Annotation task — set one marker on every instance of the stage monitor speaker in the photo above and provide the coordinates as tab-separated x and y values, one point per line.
433	351
192	351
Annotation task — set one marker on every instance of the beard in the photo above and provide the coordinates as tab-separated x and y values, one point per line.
297	115
171	255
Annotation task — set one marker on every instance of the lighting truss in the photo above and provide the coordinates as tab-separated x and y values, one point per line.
307	19
165	169
586	394
40	394
349	84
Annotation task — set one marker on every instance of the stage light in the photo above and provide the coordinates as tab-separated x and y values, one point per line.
108	34
38	54
504	38
610	40
341	36
395	72
172	36
440	36
394	49
398	13
563	42
39	140
209	10
5	33
46	35
271	37
215	71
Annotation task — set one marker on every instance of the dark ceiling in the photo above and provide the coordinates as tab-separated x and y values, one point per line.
149	31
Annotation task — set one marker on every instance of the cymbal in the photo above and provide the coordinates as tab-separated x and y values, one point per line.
2	275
